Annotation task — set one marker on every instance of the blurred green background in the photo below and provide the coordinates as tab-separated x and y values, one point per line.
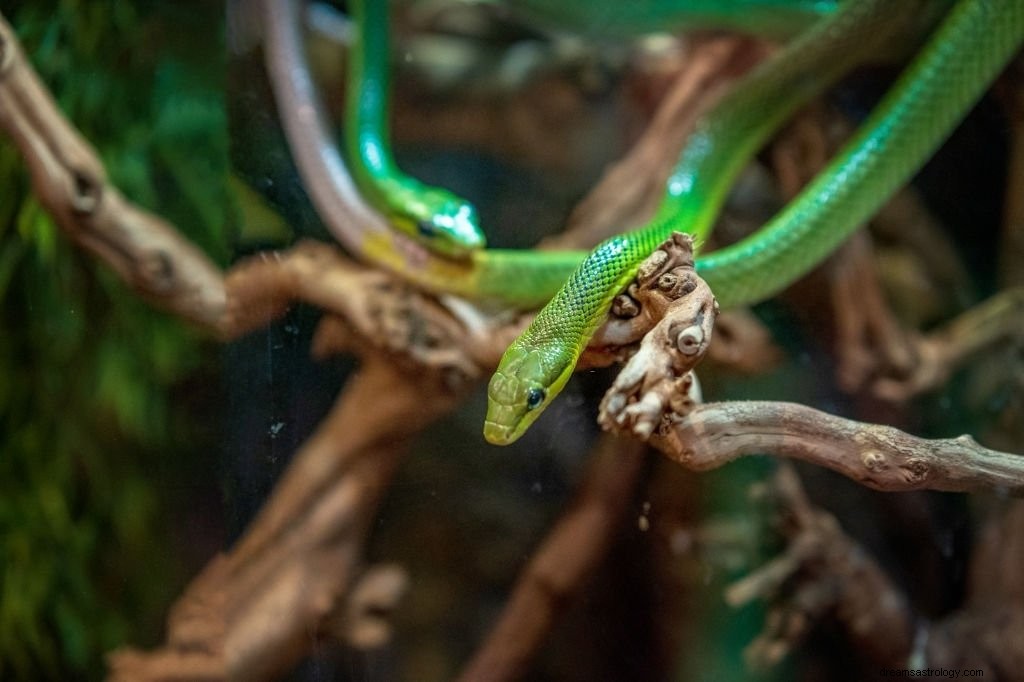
90	431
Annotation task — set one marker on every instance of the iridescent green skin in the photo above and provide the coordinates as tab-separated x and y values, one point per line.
443	222
959	62
779	18
948	76
434	216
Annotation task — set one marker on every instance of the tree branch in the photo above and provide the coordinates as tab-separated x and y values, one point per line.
252	610
822	571
878	456
67	176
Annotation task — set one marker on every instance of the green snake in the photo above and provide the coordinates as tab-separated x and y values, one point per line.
777	18
444	222
950	73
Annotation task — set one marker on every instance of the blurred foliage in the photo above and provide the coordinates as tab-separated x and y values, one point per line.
87	429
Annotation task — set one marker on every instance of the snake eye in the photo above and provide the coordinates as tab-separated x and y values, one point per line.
426	228
534	397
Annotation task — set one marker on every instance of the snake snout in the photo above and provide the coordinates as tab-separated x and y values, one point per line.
504	414
498	434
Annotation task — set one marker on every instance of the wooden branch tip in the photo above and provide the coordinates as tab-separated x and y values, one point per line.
877	456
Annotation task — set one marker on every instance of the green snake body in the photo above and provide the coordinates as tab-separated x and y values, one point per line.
921	109
442	221
722	143
947	77
536	366
955	67
615	18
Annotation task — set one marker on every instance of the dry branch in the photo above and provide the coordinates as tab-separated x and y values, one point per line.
67	176
875	455
822	572
653	399
657	380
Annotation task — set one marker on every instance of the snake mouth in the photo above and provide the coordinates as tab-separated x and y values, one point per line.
502	425
473	242
499	434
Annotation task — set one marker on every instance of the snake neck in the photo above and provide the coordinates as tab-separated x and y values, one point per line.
442	221
723	143
367	102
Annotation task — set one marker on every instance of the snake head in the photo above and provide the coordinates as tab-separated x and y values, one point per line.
442	221
526	381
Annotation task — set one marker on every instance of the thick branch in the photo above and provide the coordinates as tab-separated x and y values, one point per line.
144	250
252	610
877	456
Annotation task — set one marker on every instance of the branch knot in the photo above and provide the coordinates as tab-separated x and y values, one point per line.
86	191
